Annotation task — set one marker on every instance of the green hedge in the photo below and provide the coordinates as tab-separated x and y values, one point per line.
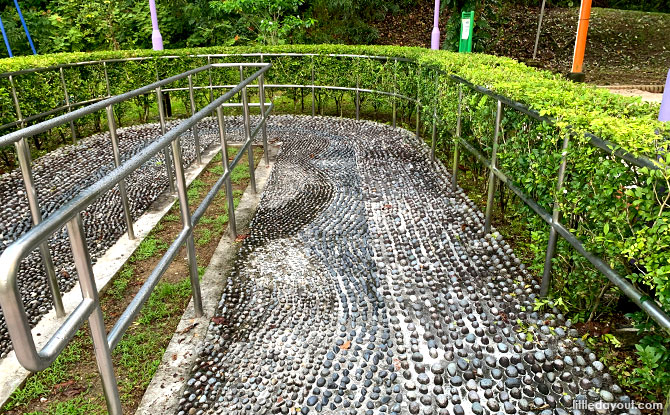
620	213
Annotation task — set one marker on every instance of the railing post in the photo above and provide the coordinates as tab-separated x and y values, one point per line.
395	90
313	92
211	85
454	171
434	141
196	137
109	89
492	168
358	98
261	92
188	225
553	236
226	171
117	162
23	154
103	356
67	102
418	108
247	134
166	153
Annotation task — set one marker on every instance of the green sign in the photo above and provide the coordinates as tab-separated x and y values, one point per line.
467	25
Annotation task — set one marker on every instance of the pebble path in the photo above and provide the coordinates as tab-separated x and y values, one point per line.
366	286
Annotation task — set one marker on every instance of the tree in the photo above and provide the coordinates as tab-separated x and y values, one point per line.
272	21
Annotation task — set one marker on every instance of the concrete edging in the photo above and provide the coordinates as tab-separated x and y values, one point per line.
163	393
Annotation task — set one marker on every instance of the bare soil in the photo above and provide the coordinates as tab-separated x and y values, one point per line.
623	47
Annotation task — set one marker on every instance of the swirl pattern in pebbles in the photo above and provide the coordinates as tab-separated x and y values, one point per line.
367	286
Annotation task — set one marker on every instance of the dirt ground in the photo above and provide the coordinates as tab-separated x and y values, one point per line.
646	96
623	47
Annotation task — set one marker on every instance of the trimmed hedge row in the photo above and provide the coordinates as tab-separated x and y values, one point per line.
621	213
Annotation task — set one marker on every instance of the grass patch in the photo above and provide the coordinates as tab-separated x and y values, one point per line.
195	188
149	247
220	222
75	406
205	236
120	283
41	383
239	174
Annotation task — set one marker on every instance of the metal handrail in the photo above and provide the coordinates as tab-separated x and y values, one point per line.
104	62
597	142
594	140
604	145
32	130
648	305
69	215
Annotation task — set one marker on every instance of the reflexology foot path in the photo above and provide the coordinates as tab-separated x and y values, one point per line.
366	286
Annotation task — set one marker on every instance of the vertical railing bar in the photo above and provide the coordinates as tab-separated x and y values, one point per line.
166	153
261	98
67	103
553	236
492	167
187	223
313	92
211	84
117	162
454	171
109	89
264	128
395	90
103	355
23	154
434	140
418	107
358	97
194	129
247	133
226	170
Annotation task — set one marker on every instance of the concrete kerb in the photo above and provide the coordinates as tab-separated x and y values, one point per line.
162	395
12	374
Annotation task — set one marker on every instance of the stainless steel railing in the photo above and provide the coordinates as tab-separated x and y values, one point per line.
556	228
69	215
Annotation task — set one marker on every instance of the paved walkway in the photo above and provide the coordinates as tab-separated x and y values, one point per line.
367	287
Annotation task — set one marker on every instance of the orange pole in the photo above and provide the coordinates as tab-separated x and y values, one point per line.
582	29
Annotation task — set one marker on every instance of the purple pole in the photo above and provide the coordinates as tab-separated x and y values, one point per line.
435	35
156	38
664	115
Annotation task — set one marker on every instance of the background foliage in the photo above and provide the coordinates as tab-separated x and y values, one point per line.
83	25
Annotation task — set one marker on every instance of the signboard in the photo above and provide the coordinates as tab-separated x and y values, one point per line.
467	25
465	29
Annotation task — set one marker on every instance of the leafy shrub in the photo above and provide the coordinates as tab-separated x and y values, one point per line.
620	212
